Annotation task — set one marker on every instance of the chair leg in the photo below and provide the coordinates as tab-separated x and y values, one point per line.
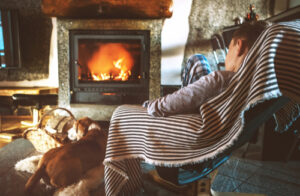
202	187
296	139
167	184
213	175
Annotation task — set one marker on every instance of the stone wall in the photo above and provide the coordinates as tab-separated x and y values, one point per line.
208	17
35	33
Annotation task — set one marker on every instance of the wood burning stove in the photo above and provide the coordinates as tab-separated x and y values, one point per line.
109	66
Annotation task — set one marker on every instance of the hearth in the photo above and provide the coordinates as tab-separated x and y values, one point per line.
109	66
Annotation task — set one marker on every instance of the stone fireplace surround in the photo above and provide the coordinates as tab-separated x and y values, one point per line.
98	111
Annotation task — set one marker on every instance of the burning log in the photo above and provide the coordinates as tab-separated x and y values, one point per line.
137	9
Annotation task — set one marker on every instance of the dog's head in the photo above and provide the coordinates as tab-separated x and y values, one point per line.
81	127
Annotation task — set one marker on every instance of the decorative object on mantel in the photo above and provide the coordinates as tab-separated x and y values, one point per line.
238	20
251	16
150	9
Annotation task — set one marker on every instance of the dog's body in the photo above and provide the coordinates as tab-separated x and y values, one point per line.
65	165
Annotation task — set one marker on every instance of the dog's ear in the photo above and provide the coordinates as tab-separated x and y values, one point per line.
85	124
88	124
81	127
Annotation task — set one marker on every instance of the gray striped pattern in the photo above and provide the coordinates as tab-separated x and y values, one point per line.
271	69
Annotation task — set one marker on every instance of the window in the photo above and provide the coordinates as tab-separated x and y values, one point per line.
2	54
9	40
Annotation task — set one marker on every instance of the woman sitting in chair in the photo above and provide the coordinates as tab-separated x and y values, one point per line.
255	74
200	84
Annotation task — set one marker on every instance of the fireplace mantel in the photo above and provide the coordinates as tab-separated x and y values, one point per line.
126	9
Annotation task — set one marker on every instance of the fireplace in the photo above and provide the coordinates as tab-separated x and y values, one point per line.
109	66
98	98
82	28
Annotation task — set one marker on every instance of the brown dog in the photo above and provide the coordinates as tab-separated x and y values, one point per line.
65	165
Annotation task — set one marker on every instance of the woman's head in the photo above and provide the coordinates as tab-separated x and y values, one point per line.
242	40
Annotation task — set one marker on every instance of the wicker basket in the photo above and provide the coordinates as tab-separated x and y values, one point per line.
42	139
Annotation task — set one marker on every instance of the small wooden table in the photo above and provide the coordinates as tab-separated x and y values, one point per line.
9	91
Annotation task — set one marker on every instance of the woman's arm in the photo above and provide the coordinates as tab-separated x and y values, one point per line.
191	97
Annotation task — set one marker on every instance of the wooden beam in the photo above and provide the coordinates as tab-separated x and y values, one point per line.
136	9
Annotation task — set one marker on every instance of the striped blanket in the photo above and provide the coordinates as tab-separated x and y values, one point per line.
271	69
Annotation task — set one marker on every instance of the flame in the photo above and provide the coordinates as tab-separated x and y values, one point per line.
102	76
124	72
111	62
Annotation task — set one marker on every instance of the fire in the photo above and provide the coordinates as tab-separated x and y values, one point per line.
111	62
102	76
124	72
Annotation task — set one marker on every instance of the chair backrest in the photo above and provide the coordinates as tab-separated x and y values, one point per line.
219	50
256	116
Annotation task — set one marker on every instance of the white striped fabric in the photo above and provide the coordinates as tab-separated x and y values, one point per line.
271	69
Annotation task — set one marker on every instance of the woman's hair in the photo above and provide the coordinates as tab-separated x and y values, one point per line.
250	31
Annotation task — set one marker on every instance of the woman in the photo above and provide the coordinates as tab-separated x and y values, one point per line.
189	98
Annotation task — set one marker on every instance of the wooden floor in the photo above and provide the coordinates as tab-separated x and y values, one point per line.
11	128
3	143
